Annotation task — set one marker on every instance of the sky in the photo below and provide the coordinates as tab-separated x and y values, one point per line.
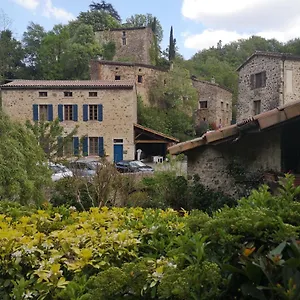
197	24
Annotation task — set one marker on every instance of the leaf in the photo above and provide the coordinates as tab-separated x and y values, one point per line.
250	290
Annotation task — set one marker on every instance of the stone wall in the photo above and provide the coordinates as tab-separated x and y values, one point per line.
138	43
106	70
269	95
219	104
291	79
254	152
119	113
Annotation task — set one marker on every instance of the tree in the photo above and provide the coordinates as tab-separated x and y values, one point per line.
51	137
32	40
99	20
147	20
172	46
23	171
11	55
107	8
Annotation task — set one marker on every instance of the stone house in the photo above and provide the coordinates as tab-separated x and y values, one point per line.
133	44
267	80
104	111
226	159
214	104
142	74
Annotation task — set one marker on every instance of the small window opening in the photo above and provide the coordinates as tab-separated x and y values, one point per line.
140	79
117	77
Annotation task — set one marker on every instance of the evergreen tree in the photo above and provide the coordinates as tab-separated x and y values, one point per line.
172	50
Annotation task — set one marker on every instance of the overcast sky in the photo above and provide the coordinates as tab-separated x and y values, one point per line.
198	24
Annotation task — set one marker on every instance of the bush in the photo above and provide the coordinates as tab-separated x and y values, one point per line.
23	172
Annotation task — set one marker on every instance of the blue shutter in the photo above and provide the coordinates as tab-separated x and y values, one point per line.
50	112
85	146
60	112
35	109
85	112
75	112
100	112
101	146
76	145
60	146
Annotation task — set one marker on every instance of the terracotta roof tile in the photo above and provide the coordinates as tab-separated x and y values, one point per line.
97	84
262	121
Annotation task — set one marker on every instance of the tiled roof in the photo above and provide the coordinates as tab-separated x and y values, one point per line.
259	122
73	84
282	56
156	133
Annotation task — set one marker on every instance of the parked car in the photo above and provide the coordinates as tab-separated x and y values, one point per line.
133	166
84	167
59	171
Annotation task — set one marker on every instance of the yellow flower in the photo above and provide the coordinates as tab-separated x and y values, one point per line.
248	251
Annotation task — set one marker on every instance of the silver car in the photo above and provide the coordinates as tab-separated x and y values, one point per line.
84	168
59	171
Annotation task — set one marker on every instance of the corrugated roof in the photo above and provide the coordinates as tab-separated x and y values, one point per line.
262	121
156	133
39	84
282	56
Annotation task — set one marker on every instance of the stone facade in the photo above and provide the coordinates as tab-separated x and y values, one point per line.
132	44
143	75
266	81
119	111
255	152
215	104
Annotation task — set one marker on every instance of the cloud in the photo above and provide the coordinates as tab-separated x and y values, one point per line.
233	19
29	4
50	11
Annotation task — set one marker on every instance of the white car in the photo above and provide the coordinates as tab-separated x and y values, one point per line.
59	171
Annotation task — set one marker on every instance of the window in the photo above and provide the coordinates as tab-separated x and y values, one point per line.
222	105
227	106
203	104
257	107
124	33
43	94
93	112
68	112
93	146
43	112
258	80
93	94
117	77
124	41
68	94
140	79
118	141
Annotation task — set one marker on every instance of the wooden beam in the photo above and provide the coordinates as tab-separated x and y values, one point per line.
150	142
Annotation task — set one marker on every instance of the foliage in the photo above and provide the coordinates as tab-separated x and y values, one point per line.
100	254
172	46
109	50
23	174
11	55
147	20
107	188
249	251
105	7
51	137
